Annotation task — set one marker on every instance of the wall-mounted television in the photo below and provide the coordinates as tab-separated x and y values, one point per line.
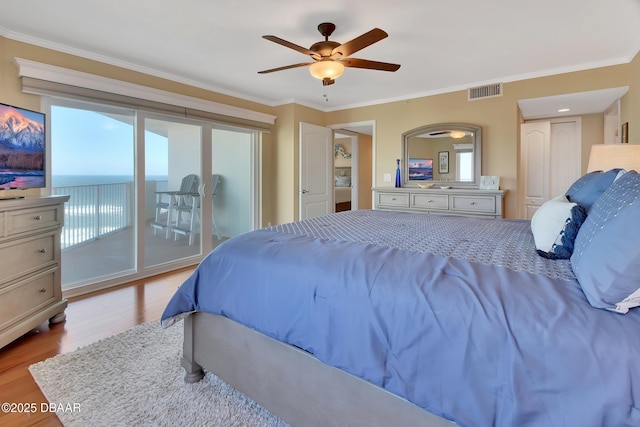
420	169
22	148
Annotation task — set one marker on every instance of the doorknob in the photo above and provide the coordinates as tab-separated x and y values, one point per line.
305	191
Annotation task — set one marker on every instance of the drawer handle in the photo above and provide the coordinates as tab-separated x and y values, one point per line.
472	203
393	198
37	217
429	201
43	290
43	251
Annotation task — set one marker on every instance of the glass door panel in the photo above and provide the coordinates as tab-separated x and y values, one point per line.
92	161
127	214
234	201
172	183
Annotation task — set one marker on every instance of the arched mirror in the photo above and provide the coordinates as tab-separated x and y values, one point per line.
445	154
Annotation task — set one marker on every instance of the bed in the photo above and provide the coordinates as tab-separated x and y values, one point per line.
387	318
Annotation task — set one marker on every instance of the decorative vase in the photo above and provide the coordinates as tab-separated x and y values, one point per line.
398	179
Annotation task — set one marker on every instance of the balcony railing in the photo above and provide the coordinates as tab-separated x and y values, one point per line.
94	211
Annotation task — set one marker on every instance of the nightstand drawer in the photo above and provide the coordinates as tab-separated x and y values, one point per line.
430	201
393	200
30	257
22	298
24	220
473	204
21	257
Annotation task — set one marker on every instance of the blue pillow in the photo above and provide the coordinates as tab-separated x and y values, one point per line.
586	190
606	256
555	226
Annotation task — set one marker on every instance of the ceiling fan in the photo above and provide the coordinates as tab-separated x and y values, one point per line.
331	57
456	134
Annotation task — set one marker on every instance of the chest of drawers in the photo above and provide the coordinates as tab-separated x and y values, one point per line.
470	202
30	280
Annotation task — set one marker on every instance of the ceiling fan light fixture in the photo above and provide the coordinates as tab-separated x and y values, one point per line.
326	69
330	57
457	134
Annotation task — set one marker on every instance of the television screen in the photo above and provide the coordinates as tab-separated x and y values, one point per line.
420	169
22	148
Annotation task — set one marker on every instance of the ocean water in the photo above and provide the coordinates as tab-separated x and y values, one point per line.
95	208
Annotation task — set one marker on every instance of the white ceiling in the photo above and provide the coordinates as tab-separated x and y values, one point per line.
441	45
571	104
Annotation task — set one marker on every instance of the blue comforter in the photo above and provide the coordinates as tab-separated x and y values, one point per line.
457	315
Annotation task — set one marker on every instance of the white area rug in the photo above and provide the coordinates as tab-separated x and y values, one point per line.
135	378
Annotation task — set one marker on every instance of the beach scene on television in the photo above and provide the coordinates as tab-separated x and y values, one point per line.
420	169
22	148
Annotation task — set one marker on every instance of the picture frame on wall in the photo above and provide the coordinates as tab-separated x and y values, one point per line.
443	162
489	182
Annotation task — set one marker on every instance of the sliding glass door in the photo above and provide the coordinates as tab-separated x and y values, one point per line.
234	161
141	186
173	182
92	161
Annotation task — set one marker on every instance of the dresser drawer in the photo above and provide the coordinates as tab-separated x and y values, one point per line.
430	201
24	256
20	221
23	298
484	204
393	200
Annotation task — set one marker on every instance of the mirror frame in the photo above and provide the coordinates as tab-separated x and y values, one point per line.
477	152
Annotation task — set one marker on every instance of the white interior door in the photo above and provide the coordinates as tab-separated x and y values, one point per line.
550	160
564	155
316	171
534	167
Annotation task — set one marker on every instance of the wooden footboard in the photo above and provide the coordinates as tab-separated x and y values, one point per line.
289	382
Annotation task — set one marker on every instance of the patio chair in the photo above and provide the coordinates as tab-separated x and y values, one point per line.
167	202
188	213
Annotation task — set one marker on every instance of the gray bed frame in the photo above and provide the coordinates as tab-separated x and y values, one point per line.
289	382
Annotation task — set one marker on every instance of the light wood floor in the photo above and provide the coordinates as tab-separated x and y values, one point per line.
89	319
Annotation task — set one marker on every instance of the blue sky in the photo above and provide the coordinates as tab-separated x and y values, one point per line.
88	143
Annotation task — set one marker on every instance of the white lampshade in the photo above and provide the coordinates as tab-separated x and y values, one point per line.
609	156
326	69
457	134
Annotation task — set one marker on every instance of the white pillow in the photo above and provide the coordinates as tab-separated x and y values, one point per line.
555	226
343	181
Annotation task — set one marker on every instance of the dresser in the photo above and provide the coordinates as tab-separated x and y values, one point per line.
30	279
453	201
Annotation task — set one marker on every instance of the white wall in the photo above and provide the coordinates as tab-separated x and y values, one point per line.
184	153
231	158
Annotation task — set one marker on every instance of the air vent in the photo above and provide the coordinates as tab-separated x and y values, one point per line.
486	91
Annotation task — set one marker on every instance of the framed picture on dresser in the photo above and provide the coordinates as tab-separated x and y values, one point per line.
489	182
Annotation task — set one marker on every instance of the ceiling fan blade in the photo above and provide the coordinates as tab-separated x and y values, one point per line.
293	46
372	65
286	67
360	42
